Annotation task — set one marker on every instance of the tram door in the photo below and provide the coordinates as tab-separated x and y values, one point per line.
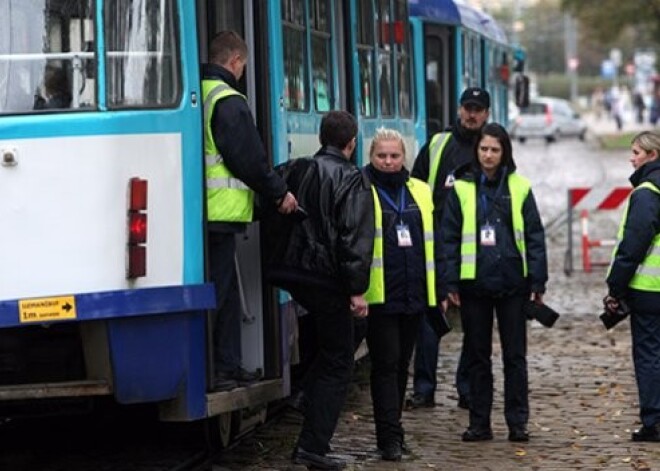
215	16
440	110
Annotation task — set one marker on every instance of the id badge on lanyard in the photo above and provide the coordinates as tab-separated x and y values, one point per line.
487	235
403	235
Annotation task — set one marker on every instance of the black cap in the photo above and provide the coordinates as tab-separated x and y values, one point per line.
475	96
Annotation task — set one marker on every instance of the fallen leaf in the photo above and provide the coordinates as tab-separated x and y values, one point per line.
520	452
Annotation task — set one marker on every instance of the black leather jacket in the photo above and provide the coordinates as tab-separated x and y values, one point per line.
332	246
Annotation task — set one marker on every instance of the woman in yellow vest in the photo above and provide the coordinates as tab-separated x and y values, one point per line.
634	277
402	281
494	245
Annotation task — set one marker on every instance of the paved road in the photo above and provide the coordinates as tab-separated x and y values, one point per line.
582	392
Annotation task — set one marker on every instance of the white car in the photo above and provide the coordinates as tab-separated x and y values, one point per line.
549	119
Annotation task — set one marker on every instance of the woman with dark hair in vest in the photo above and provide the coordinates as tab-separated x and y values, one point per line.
402	281
494	245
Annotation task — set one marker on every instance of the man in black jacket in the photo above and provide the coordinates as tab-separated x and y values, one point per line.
236	166
435	164
323	257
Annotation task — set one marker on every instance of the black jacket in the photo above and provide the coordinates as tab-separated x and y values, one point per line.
404	267
332	247
458	152
240	145
641	226
499	267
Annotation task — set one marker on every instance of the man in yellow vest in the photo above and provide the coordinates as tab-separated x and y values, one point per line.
435	164
236	166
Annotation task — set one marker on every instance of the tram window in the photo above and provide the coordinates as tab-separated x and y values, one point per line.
48	59
385	82
295	93
142	58
403	60
321	58
365	49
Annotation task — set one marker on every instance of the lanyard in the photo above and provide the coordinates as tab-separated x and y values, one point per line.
397	207
485	210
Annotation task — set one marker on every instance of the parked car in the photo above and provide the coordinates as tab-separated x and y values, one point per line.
549	119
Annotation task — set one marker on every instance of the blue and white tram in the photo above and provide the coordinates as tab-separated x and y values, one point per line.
456	46
103	290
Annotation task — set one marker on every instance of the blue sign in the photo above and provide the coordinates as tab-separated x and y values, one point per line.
607	69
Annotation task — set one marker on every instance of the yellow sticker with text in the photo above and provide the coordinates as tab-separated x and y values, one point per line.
47	309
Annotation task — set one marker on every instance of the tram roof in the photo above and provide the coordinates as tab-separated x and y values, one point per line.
481	21
458	13
442	11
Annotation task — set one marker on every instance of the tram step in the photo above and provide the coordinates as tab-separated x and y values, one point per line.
51	390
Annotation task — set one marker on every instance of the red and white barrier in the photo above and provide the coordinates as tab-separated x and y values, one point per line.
585	200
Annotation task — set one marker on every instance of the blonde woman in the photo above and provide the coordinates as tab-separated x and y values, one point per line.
634	278
402	281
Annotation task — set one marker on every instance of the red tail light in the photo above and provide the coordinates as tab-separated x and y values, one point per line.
548	115
136	251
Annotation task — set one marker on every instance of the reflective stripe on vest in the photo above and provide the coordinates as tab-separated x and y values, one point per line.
467	194
436	147
421	194
647	275
228	199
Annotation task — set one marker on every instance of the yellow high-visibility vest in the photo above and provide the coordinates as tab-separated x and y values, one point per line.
436	147
647	275
421	193
467	194
228	199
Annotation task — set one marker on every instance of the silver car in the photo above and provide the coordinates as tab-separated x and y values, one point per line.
549	119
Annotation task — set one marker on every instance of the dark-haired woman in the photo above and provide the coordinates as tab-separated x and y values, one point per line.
494	243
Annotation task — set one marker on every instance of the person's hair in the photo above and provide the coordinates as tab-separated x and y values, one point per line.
224	45
385	134
337	129
498	132
649	141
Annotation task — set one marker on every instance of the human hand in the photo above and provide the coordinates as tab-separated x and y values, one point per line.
359	306
537	298
288	203
610	303
455	299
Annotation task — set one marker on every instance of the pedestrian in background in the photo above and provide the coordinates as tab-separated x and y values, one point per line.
236	165
634	277
435	164
322	256
402	282
494	245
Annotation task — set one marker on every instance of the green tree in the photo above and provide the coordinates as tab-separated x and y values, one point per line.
606	20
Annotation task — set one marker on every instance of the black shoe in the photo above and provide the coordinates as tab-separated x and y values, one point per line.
518	433
391	452
647	434
224	383
477	434
463	402
244	377
313	460
417	401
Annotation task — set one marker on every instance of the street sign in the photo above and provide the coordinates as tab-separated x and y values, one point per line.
607	69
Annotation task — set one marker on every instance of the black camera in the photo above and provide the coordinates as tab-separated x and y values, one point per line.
612	316
541	312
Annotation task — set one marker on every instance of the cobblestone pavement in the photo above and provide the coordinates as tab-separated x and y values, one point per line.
583	397
583	405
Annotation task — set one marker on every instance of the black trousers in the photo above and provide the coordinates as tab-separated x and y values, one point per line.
326	384
226	319
512	325
645	330
391	339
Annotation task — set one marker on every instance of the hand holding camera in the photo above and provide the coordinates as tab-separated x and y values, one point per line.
615	311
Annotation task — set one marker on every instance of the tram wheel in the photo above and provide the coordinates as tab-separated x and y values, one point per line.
219	430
